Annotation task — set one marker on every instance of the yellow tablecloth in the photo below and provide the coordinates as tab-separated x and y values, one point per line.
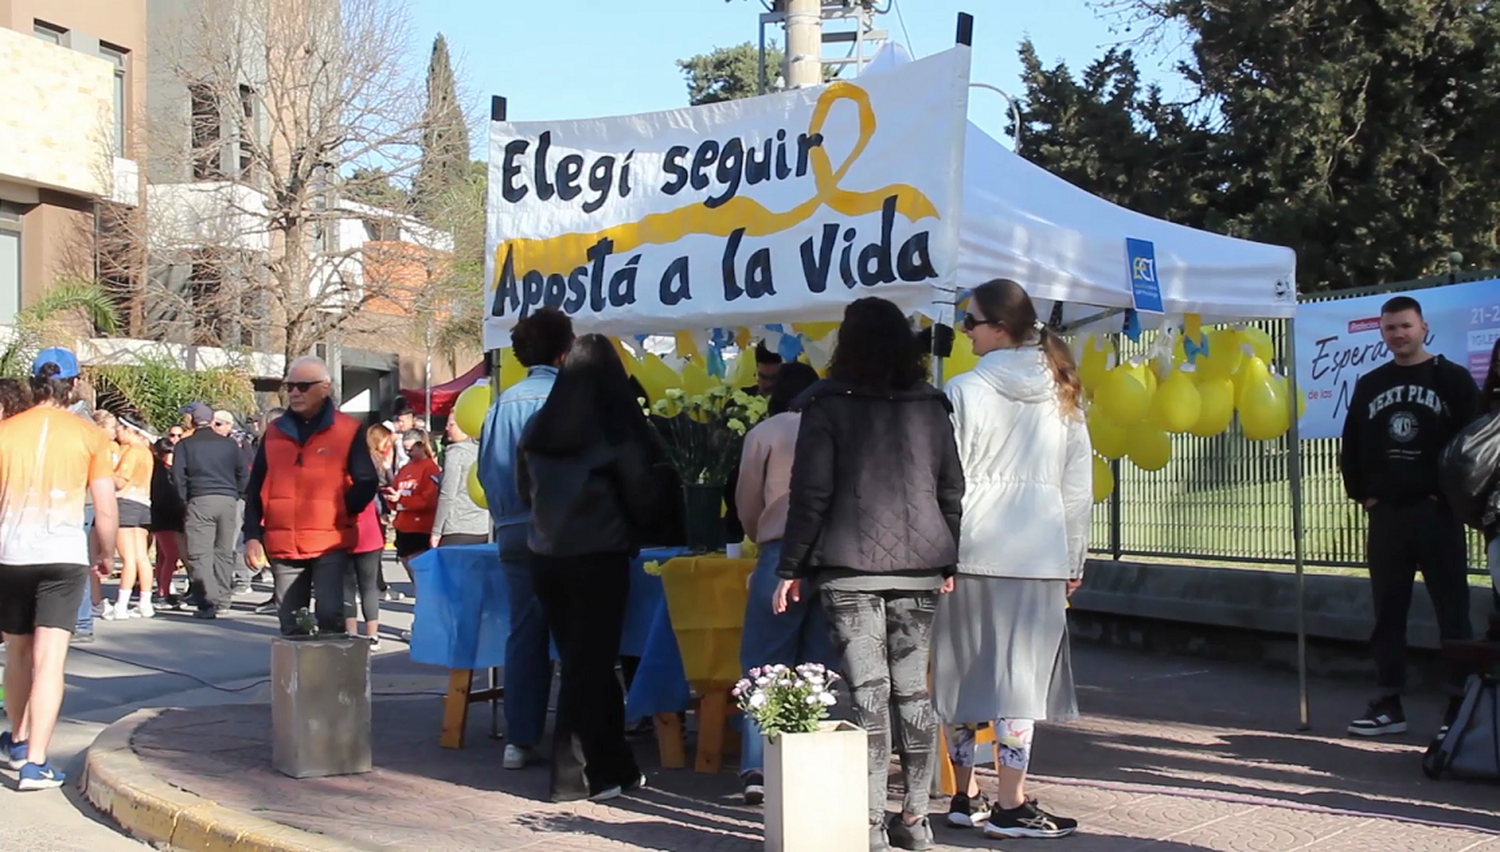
706	598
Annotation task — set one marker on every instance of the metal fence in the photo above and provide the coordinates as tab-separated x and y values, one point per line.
1228	499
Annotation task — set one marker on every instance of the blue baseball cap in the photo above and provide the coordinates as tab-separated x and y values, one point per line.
66	361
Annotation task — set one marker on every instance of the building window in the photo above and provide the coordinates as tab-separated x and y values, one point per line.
206	133
246	147
10	262
48	32
116	57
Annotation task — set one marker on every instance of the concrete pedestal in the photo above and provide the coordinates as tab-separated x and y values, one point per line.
320	706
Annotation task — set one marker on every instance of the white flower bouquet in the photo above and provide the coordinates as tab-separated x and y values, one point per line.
783	700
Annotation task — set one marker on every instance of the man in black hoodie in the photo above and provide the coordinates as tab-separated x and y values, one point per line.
1400	417
210	476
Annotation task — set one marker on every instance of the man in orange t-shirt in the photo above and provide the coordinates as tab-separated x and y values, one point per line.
49	460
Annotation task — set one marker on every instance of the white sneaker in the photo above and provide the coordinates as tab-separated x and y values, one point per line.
146	610
516	757
107	612
101	608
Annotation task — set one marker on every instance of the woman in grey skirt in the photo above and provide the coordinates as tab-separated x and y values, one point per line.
1000	644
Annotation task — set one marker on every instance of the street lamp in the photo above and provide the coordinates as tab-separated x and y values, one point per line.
1015	108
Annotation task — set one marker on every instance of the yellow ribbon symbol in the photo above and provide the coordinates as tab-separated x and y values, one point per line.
562	253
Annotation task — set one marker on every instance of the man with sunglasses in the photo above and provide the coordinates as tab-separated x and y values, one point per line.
210	479
311	478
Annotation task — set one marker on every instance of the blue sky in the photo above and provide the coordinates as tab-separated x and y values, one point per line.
558	59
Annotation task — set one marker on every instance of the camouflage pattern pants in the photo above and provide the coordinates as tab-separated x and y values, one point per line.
883	639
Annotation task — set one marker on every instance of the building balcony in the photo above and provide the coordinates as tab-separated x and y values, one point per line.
207	215
57	121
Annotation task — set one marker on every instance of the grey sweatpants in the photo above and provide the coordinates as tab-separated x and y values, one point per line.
884	640
210	529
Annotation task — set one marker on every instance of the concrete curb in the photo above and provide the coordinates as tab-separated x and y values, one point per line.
118	784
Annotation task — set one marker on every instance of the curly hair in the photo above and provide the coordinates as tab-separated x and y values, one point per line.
542	338
876	348
14	397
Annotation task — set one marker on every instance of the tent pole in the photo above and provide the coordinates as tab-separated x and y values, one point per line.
1294	460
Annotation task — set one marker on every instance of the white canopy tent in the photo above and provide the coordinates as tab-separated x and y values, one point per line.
1065	245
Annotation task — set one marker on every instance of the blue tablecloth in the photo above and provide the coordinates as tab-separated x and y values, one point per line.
660	684
463	608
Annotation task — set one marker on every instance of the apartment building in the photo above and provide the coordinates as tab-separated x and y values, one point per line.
235	121
70	136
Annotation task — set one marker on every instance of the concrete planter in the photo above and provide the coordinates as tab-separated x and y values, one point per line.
817	790
320	706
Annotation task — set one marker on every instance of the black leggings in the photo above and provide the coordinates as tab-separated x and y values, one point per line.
364	579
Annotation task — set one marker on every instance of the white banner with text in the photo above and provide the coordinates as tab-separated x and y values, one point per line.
1339	340
779	208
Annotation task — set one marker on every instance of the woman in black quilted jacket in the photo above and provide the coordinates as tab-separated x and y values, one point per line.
876	500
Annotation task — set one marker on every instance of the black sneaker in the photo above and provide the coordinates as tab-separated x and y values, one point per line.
917	835
207	613
267	607
755	789
1384	716
964	812
1028	821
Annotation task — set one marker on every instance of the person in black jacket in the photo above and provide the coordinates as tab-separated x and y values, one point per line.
876	501
210	478
1400	417
586	473
168	516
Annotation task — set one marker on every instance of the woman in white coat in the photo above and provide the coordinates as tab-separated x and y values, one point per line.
1000	645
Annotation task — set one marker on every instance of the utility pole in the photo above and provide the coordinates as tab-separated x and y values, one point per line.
804	43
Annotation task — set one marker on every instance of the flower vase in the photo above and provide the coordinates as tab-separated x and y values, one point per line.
703	519
817	790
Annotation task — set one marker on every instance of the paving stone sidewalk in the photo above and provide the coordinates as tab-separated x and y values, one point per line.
1173	756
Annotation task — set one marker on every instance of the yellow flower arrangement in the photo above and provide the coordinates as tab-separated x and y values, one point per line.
706	430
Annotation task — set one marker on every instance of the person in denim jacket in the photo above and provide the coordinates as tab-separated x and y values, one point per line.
540	342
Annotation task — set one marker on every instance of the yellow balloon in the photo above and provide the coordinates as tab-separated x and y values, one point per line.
1284	385
1150	448
476	491
1093	362
695	379
1108	437
1176	405
1260	343
962	360
1263	410
742	373
1125	394
470	407
655	376
511	370
1104	480
1216	407
1224	355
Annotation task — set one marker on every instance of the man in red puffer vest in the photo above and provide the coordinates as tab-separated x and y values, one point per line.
311	478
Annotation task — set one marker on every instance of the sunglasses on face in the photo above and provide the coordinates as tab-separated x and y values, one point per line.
300	387
971	322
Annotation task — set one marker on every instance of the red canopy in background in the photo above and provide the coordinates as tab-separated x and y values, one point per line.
443	395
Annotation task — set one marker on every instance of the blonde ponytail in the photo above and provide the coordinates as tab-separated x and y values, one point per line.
1064	372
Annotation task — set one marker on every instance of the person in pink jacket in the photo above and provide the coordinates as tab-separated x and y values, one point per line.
799	635
363	581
